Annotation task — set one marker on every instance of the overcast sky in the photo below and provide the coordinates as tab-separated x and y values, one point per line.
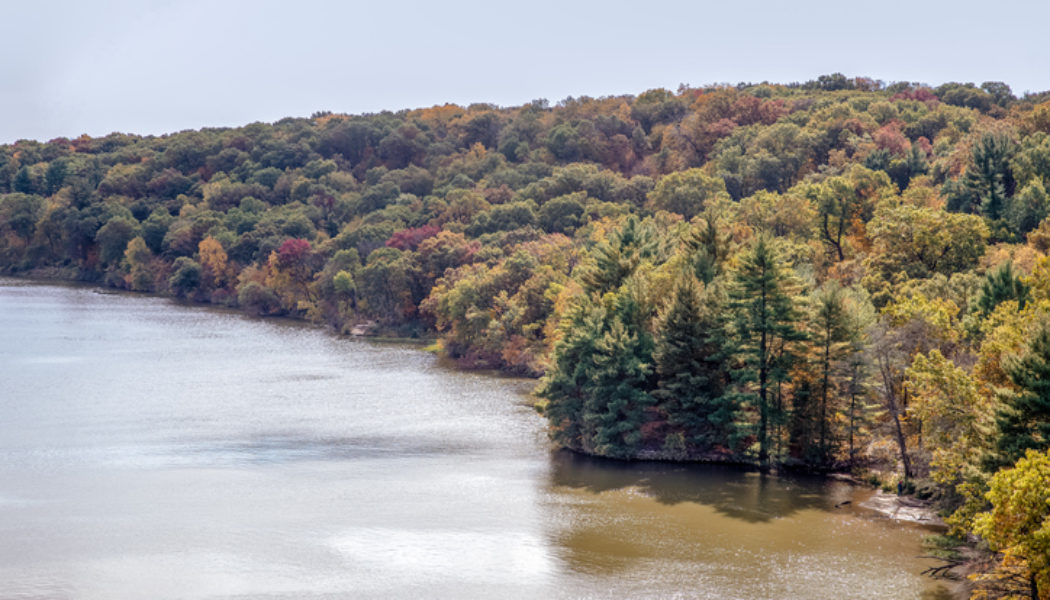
157	66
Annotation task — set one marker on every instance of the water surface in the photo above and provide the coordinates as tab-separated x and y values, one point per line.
154	450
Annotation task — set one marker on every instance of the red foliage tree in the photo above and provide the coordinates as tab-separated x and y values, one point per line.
411	237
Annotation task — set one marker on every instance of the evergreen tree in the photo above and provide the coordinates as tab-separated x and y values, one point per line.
617	258
988	181
690	358
766	320
804	424
999	286
567	382
1024	420
830	323
616	401
708	248
598	387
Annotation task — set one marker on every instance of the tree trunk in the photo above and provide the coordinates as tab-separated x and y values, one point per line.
824	394
894	408
763	407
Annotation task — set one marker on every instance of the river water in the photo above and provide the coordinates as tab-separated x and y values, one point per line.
154	450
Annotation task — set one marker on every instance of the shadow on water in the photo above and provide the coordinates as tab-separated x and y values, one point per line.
733	491
286	447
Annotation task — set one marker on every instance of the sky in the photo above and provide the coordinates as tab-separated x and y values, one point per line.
159	66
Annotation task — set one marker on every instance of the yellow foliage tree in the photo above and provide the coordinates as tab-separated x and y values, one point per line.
1018	524
214	261
957	420
138	262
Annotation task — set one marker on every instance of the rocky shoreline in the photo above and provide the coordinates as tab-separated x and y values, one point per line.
903	508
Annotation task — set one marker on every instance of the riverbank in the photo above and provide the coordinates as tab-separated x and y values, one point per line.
221	455
903	508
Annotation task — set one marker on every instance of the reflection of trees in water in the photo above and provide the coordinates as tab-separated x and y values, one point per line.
733	491
749	547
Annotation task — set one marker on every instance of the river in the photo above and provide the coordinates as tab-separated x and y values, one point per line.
154	450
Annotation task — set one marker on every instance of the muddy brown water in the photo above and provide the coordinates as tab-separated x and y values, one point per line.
154	450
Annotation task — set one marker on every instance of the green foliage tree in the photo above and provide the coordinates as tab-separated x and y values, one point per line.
187	276
563	214
1024	420
831	333
566	385
988	181
614	409
619	256
920	241
686	192
999	286
113	238
1028	208
691	361
766	327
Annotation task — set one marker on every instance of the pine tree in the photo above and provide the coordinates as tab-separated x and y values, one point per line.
619	381
598	388
615	404
831	332
999	286
708	248
617	258
988	181
690	358
567	382
803	426
1024	420
766	317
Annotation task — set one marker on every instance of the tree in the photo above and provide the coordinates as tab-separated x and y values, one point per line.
999	286
988	181
214	262
920	241
766	319
617	257
615	405
843	203
257	298
387	286
563	214
832	331
187	276
889	356
691	360
1018	524
20	213
686	192
566	383
292	271
55	176
113	238
1024	420
857	380
1026	209
138	262
598	389
957	421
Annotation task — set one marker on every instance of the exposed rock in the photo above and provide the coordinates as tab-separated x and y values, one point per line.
363	328
903	508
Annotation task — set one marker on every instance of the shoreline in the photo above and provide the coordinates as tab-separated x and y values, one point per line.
903	508
897	508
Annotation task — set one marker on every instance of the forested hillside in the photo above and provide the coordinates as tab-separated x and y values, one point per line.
830	274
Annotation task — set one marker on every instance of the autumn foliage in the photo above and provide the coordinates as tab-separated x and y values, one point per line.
838	274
